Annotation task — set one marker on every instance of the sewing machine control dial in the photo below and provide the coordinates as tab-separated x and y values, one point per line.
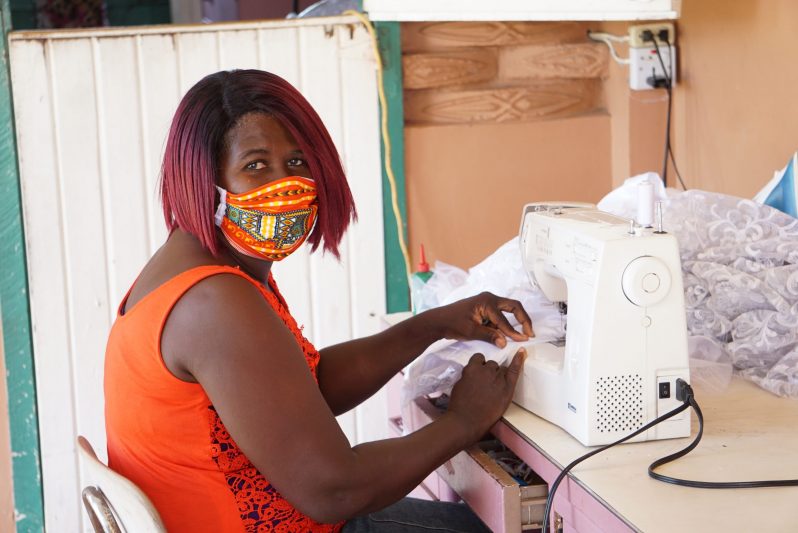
651	282
646	281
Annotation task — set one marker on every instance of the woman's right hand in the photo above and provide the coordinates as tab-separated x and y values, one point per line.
484	391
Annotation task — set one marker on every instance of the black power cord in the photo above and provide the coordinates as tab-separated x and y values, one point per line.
690	399
670	99
648	36
588	455
684	393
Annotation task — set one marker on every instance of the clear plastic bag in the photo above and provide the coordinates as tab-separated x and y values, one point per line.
445	278
440	366
710	364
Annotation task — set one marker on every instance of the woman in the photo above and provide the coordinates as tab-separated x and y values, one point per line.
216	405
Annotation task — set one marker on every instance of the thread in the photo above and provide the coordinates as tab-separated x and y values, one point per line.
645	204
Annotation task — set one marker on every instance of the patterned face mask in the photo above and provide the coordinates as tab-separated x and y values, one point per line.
269	222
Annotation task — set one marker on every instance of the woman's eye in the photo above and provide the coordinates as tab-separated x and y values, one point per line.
297	162
256	165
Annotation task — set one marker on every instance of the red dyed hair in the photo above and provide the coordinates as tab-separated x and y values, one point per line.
192	159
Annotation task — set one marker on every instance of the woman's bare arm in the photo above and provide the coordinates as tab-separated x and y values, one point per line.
351	372
224	335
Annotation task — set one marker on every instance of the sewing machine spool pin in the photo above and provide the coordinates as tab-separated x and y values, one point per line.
660	229
636	229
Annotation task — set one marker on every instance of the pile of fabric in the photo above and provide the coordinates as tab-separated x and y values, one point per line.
740	268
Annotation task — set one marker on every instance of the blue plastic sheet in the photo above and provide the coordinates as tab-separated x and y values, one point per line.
781	192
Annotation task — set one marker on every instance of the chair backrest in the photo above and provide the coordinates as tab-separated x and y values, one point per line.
114	503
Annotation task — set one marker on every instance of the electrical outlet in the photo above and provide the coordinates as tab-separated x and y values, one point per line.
636	34
645	69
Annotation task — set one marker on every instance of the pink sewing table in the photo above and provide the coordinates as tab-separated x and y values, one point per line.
749	435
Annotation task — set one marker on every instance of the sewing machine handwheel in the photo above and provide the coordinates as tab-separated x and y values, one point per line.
646	281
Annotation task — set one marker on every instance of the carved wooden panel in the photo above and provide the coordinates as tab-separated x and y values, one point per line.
442	69
532	101
431	35
579	60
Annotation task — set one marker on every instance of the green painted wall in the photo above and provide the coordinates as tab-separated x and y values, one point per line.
396	283
23	14
15	309
118	12
137	12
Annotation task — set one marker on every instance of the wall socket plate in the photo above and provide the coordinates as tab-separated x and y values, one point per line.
636	34
645	67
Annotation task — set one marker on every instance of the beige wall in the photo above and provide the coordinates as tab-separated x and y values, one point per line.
467	184
497	115
735	121
736	109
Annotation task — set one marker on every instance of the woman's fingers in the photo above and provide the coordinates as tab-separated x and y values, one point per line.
476	360
500	322
514	306
515	367
489	333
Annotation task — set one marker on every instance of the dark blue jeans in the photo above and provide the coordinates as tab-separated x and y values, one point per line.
411	514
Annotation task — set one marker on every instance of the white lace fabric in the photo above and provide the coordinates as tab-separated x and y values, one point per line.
740	266
740	269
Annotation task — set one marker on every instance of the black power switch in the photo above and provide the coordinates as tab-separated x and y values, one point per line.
665	389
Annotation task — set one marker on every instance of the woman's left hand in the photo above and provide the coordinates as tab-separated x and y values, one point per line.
481	317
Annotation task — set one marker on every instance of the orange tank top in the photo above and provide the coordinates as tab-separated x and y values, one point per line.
164	433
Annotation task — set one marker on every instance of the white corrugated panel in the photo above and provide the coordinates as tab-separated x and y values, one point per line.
92	112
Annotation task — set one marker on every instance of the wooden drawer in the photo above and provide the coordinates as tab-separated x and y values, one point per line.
495	496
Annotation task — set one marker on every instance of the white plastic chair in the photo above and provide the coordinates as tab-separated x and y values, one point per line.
114	503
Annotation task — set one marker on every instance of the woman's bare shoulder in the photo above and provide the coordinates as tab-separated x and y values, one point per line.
180	252
216	314
223	317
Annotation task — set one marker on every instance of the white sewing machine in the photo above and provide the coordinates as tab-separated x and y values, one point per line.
626	336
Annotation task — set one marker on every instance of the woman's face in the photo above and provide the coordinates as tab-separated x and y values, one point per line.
258	149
